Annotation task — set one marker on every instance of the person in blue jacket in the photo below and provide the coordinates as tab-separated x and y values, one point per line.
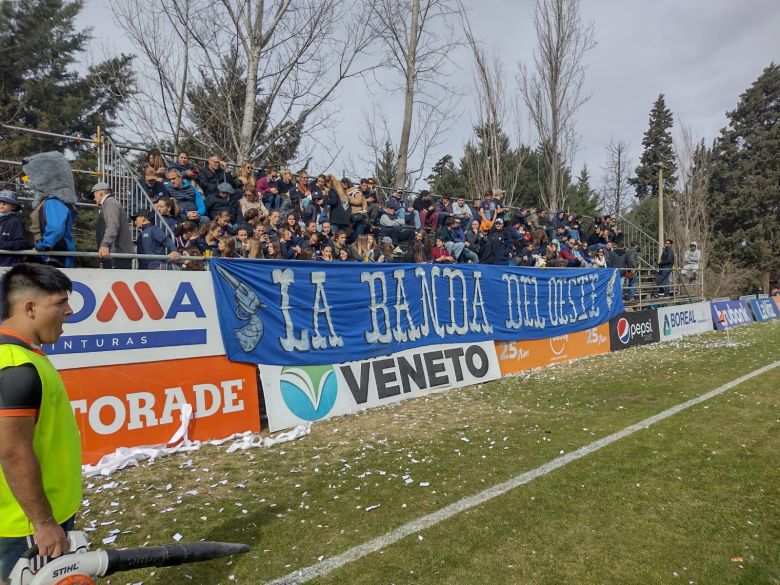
153	239
13	235
51	179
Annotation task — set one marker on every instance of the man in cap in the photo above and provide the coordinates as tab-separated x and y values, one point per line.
391	226
112	229
13	234
225	198
152	239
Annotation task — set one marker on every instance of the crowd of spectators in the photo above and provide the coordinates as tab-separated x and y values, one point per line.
275	213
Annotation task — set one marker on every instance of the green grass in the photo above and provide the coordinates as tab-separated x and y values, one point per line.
684	496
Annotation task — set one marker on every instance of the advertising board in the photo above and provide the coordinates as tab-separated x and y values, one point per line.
123	317
680	320
300	394
633	328
730	314
130	405
764	309
518	356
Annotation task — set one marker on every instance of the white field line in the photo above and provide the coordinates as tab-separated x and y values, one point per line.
355	553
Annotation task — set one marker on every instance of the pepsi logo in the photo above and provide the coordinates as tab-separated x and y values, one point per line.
623	330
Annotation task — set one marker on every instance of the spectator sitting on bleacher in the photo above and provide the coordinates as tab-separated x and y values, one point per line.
691	260
251	200
444	209
462	211
169	211
223	199
213	176
13	233
182	164
392	226
498	247
425	206
487	211
184	194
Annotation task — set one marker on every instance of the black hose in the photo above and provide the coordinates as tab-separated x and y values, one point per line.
169	555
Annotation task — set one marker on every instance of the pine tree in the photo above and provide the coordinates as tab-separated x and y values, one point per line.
446	179
657	142
745	182
38	86
386	165
582	199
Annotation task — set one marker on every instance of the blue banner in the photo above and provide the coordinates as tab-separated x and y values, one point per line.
303	313
764	309
730	314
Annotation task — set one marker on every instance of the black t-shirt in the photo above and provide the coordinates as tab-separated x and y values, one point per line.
20	391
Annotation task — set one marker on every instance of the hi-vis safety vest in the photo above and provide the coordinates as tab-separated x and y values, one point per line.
56	442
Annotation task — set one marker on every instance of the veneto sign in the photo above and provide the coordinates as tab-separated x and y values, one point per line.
130	317
299	394
141	404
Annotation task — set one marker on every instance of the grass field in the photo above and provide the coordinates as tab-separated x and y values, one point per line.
694	498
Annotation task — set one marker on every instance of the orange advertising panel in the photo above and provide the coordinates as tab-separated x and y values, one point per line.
129	405
518	356
777	302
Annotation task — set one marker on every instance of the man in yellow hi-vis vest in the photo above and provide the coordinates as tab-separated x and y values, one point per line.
40	447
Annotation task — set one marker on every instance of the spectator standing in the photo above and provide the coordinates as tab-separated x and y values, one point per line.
498	246
665	266
112	230
53	215
691	261
487	212
40	445
13	233
152	239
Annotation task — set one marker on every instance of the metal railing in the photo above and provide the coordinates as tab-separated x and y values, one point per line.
649	247
649	288
127	185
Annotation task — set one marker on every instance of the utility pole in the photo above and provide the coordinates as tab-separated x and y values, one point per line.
660	203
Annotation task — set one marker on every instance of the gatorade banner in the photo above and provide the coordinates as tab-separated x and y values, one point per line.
730	314
300	394
304	313
683	320
633	328
518	356
131	405
764	309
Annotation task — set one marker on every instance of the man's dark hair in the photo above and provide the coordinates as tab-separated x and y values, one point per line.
41	277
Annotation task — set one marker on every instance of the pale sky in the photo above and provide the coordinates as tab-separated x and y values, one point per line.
701	54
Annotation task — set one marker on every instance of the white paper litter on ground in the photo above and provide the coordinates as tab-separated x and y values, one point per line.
180	443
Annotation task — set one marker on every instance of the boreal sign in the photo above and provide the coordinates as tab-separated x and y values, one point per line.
310	313
680	320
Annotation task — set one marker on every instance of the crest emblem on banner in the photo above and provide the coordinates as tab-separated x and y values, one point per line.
611	289
247	307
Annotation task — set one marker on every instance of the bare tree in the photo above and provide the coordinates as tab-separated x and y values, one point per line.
418	44
616	194
552	92
486	161
688	209
263	72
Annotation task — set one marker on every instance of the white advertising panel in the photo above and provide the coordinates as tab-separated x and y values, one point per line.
683	320
299	394
135	316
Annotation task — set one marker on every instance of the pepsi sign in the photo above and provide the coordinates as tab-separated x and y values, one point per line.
633	328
